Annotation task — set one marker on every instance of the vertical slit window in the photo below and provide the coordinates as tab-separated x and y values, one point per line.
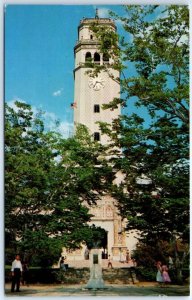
96	136
96	108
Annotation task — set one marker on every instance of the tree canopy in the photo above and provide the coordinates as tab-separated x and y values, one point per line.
47	181
154	147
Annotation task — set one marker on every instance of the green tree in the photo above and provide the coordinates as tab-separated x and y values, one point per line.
96	238
154	196
48	181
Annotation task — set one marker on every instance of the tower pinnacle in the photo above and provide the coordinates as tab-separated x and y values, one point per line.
96	14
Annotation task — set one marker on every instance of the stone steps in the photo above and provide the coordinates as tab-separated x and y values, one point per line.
78	264
78	272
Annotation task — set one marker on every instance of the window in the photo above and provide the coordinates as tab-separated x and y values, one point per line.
88	56
105	58
91	37
96	136
96	58
96	108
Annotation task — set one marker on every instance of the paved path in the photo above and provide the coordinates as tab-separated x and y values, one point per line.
141	289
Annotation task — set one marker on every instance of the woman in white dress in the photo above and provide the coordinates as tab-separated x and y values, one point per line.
159	277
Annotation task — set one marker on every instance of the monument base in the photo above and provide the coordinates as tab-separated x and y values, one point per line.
96	280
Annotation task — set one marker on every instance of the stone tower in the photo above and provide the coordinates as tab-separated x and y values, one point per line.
89	95
91	92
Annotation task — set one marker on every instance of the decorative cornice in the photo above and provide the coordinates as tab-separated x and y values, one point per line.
100	21
85	44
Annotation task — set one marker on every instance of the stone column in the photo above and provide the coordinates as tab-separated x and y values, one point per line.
115	232
96	280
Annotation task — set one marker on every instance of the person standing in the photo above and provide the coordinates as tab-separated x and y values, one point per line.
159	277
86	254
16	270
171	264
165	274
62	263
127	256
110	262
25	272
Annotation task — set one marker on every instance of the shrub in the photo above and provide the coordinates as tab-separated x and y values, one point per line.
145	274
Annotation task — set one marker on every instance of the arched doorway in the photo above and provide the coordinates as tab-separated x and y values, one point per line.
104	253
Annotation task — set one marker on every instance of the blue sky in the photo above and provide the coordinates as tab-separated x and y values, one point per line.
39	60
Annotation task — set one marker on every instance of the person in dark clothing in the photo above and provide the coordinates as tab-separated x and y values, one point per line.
25	277
110	262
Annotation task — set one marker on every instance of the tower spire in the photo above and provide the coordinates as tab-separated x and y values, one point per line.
96	14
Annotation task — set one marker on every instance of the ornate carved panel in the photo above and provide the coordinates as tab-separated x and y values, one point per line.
109	212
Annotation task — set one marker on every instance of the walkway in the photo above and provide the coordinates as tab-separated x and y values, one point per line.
140	289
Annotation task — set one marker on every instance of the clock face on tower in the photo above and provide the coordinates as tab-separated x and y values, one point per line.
96	83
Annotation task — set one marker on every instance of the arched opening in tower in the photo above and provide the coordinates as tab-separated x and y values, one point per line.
88	57
105	58
97	58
